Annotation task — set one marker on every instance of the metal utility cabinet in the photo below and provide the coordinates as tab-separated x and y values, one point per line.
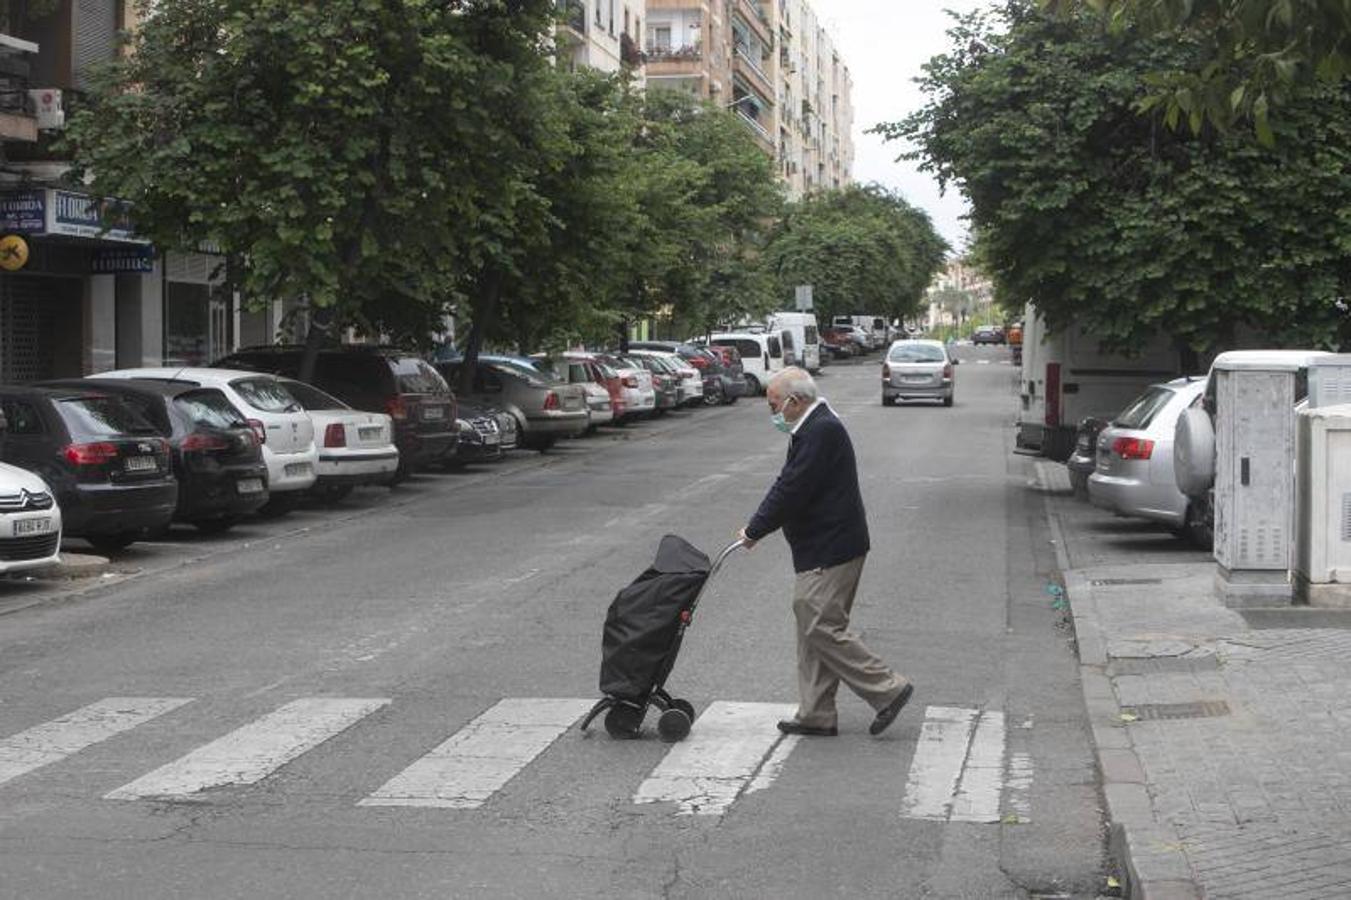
1322	567
1254	482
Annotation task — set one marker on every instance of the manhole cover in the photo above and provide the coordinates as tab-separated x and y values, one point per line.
1113	582
1201	709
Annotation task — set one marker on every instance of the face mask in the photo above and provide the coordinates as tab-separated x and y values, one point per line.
781	423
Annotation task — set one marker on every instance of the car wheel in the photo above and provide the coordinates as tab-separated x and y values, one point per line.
279	505
752	386
888	401
215	526
948	400
332	493
1196	529
111	543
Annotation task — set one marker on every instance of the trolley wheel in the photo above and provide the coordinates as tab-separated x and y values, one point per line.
684	706
623	721
673	725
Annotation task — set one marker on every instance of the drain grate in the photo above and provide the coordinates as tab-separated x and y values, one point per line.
1113	582
1201	709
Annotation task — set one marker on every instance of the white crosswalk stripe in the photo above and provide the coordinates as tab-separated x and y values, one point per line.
477	761
937	764
959	772
253	752
53	741
724	755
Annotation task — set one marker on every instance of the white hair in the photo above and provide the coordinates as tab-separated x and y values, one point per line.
796	382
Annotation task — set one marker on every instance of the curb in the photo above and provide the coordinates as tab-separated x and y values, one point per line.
1149	853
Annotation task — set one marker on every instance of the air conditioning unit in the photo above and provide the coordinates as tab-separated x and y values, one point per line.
1322	568
47	106
1330	380
1254	483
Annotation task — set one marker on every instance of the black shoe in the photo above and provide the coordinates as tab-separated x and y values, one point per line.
792	726
887	714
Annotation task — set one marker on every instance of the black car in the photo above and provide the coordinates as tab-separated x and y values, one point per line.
486	434
110	469
988	334
216	455
376	379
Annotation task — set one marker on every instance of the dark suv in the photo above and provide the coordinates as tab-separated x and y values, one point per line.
110	470
375	379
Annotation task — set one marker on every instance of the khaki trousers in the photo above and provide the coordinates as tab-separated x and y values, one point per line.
828	652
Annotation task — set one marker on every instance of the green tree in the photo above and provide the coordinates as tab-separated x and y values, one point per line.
1108	220
1250	52
863	249
334	150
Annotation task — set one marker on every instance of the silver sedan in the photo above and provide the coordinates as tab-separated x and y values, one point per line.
918	370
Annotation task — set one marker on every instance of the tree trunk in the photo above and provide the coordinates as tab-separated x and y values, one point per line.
321	323
485	311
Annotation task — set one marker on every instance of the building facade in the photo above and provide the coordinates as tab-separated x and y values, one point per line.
601	34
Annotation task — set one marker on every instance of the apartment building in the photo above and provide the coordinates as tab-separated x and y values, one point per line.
602	34
816	113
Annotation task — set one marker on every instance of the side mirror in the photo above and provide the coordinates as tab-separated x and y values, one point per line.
956	361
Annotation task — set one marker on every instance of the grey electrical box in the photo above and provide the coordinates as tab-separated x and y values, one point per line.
1254	482
1322	564
1330	381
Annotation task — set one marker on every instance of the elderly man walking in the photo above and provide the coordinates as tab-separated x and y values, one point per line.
817	503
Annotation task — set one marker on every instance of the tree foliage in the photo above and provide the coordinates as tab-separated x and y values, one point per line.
863	249
1105	219
1251	53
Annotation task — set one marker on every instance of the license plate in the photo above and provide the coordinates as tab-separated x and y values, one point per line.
492	440
252	485
298	468
433	413
915	379
141	464
369	432
32	526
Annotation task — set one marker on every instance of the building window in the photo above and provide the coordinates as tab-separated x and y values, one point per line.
598	13
612	18
661	38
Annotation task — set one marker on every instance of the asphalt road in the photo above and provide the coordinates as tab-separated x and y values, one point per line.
335	705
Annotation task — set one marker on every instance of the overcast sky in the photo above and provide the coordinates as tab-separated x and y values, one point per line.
885	42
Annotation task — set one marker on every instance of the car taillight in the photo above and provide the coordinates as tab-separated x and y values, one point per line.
199	441
259	431
947	371
698	362
886	372
630	381
396	408
1133	448
551	401
335	436
91	454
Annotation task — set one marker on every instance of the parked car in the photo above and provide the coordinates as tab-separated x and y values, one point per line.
635	383
111	473
666	381
283	427
918	370
30	519
603	386
544	407
397	383
1084	460
691	380
355	447
1134	474
840	342
719	386
217	458
988	334
482	437
730	357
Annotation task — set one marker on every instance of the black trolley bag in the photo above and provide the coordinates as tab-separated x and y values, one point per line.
644	627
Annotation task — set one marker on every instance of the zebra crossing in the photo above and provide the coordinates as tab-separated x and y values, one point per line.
961	769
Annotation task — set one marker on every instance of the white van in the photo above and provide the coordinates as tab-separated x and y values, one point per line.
1066	377
806	338
761	355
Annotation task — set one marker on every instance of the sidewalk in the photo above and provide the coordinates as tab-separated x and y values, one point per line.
1223	740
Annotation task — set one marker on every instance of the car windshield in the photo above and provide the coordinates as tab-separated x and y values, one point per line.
1144	408
916	353
417	377
531	374
102	417
311	397
210	409
265	394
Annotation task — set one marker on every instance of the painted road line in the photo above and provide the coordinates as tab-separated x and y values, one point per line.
53	741
479	759
774	765
1020	787
937	765
982	782
726	750
251	753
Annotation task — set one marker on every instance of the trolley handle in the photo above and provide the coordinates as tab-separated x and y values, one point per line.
727	551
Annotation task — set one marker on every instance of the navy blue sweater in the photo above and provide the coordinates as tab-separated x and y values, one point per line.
815	499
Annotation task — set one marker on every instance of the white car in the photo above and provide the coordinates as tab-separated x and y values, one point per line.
282	425
761	355
691	380
30	521
355	447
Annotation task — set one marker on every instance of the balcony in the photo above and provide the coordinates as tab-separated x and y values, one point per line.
747	63
689	53
755	18
572	14
18	114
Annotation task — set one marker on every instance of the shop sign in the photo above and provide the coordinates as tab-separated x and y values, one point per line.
13	253
23	211
123	260
79	215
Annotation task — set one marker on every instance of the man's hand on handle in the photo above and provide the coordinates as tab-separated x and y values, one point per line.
745	541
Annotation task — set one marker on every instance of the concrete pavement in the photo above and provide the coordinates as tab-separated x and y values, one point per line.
1221	735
